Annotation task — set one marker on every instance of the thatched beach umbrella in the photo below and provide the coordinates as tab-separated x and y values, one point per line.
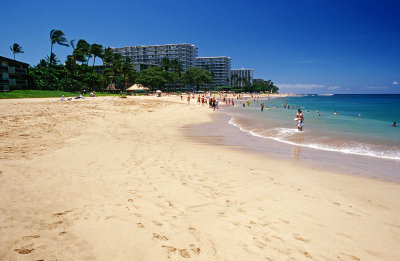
111	87
138	87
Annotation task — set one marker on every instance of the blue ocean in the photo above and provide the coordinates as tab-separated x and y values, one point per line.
361	126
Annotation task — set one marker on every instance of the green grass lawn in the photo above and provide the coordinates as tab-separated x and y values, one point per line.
44	94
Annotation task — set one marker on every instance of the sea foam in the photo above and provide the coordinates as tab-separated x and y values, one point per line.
284	134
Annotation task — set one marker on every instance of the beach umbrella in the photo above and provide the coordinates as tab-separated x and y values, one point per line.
158	91
137	87
111	87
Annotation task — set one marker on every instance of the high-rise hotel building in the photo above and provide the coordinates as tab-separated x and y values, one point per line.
153	54
219	66
242	74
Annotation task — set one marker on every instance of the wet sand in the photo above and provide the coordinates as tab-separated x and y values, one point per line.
219	131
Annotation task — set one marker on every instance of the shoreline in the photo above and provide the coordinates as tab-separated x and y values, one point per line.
349	164
119	180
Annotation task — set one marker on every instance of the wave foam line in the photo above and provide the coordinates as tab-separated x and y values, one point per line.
360	152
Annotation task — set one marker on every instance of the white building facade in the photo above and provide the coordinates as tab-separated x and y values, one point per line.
153	54
219	66
242	75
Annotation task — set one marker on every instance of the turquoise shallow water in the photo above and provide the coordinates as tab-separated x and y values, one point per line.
371	134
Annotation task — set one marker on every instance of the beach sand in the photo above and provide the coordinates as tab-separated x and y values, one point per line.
117	179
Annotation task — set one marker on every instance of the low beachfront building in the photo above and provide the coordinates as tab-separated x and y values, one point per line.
14	74
219	66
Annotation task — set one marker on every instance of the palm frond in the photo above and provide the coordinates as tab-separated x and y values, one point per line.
16	48
58	37
72	43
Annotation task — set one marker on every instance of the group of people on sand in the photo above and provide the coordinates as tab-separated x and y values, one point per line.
212	101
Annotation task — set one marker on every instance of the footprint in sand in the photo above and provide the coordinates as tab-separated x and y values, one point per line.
23	251
298	237
305	253
280	239
139	225
170	249
62	213
184	253
54	225
351	256
157	223
33	236
284	221
157	236
195	249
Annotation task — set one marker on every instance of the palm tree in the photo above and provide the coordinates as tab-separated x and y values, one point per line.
57	37
127	71
234	80
52	59
16	48
165	64
108	56
82	50
177	67
97	51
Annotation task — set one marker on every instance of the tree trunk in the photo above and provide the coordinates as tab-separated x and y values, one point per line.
51	53
94	59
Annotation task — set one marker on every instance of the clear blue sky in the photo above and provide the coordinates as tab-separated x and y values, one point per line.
304	46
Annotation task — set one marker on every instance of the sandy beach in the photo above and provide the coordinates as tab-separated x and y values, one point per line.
116	179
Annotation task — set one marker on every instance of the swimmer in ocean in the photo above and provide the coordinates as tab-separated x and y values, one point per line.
300	120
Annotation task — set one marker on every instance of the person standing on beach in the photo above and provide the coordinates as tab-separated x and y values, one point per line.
262	106
300	120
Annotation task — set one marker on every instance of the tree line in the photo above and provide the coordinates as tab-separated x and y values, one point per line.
242	84
76	74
